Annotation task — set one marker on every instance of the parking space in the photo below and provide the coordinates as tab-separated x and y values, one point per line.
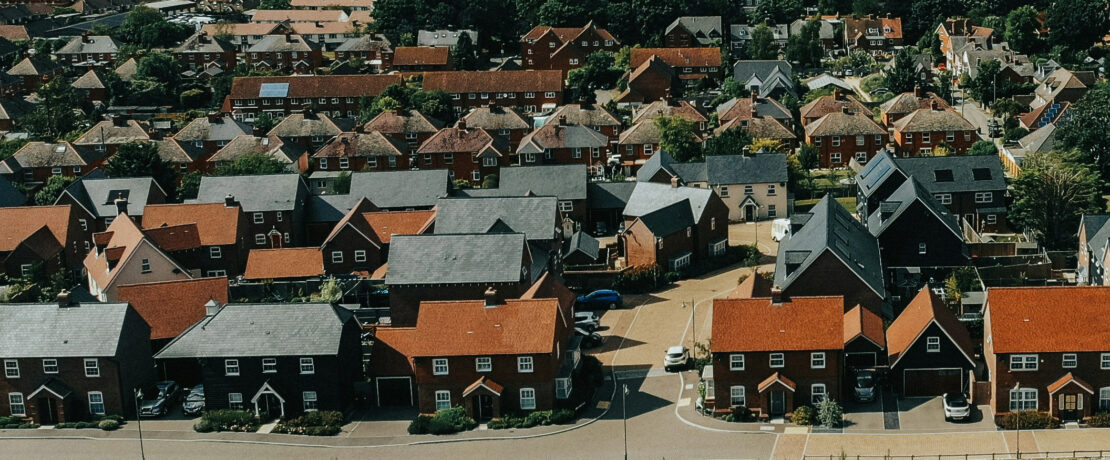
863	416
927	415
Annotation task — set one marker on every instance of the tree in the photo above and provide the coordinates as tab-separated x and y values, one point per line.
342	184
1087	131
808	156
902	78
54	116
490	181
8	148
829	7
1007	108
274	5
264	122
1021	27
983	148
865	7
798	179
829	413
731	88
1050	194
985	84
776	11
943	85
464	54
1076	23
252	164
728	142
765	145
762	45
139	17
52	189
599	72
678	138
159	67
330	291
190	186
141	159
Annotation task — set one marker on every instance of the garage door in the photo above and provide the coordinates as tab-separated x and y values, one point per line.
932	382
394	391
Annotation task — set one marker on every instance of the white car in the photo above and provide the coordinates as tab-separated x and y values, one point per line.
780	229
678	356
956	406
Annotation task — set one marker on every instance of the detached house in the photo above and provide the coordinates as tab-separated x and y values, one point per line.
914	230
929	350
563	143
687	31
221	231
824	105
123	254
653	79
872	34
766	78
843	136
88	51
99	355
274	203
55	237
752	186
564	48
34	71
466	153
275	360
104	199
1093	237
923	130
673	226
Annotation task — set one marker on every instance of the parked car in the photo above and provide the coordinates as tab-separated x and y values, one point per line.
587	320
605	298
678	357
589	339
865	385
158	401
956	406
194	401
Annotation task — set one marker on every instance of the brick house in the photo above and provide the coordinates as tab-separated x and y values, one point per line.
915	230
332	94
124	254
466	153
55	236
529	91
538	217
108	135
422	59
687	31
257	357
90	87
1052	360
923	130
772	356
929	350
748	108
506	122
273	203
202	137
34	72
955	33
564	48
843	136
102	353
307	129
358	152
562	143
670	107
568	183
864	340
872	34
763	128
673	226
200	50
287	52
86	51
593	116
907	103
353	246
408	126
1093	235
221	230
99	198
824	105
691	65
36	162
651	80
292	154
637	144
171	307
375	50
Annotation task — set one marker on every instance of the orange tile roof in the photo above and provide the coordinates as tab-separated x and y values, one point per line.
1065	380
468	328
421	55
484	382
1049	319
387	224
393	350
861	322
549	287
14	32
922	311
507	81
284	263
16	224
803	323
776	377
175	237
216	223
170	307
678	57
566	33
317	85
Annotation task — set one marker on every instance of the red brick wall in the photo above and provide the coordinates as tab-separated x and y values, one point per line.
462	371
912	143
679	37
72	372
757	368
847	148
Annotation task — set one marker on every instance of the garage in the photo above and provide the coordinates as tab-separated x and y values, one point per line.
394	391
859	360
932	382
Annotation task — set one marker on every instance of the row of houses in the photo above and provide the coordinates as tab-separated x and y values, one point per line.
875	35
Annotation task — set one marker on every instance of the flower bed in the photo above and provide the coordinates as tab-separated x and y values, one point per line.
542	417
319	423
227	420
446	421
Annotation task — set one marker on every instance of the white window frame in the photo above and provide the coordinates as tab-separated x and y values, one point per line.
235	401
360	255
309	398
1022	399
231	367
566	206
771	190
440	366
525	365
527	399
95	367
48	364
214	252
259	218
984	197
1104	361
723	191
736	362
737	396
443	400
1025	362
145	265
834	157
922	248
11	369
817	360
777	357
269	365
943	198
307	365
483	364
489	162
337	257
1104	399
93	405
344	163
932	344
21	404
1069	361
836	141
817	393
259	239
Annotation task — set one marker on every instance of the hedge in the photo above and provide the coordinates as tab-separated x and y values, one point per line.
227	420
318	423
740	414
108	425
544	417
1099	420
446	421
96	422
1029	419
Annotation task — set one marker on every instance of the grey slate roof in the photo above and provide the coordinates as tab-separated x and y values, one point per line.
9	195
46	330
771	74
239	330
1093	223
270	192
669	219
1041	140
964	170
582	242
441	37
98	195
400	189
535	216
720	169
875	173
454	259
831	228
902	199
328	208
566	182
649	197
98	44
706	29
609	195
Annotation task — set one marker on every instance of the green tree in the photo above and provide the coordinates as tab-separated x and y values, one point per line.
464	54
829	7
264	122
983	148
829	413
985	84
1075	24
728	142
776	11
730	89
1050	194
678	138
490	181
52	189
1087	131
8	148
799	180
139	17
942	85
342	184
330	291
160	67
54	116
599	72
273	5
141	159
865	7
902	78
762	45
190	186
1021	27
1007	108
808	157
252	164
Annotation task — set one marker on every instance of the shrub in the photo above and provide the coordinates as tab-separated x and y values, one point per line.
10	420
446	421
740	414
803	415
318	423
1028	419
227	420
829	413
27	426
11	426
1099	420
538	418
639	278
108	425
497	424
562	416
419	425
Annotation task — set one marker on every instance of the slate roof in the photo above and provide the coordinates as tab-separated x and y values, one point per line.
669	219
454	259
902	199
584	243
98	44
13	108
84	330
328	208
772	75
9	195
566	182
720	169
535	216
98	195
831	228
923	310
562	136
223	128
170	307
648	197
1049	319
803	323
585	115
400	189
442	37
609	195
742	108
35	66
705	29
1042	139
1093	223
969	172
930	120
269	192
247	330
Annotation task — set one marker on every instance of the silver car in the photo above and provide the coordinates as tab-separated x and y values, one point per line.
956	406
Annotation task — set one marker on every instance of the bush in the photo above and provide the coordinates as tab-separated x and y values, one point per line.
318	423
829	413
740	414
108	425
1099	420
639	278
419	425
1028	419
562	416
538	418
803	415
446	421
227	420
10	420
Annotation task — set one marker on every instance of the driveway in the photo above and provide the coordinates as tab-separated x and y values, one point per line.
863	416
927	415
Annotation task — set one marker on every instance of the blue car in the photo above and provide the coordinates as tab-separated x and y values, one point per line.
605	298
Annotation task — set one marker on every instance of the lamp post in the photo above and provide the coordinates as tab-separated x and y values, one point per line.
139	420
624	418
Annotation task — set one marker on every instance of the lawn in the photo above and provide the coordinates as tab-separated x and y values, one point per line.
849	203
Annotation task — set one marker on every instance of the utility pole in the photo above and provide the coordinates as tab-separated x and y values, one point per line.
694	329
624	419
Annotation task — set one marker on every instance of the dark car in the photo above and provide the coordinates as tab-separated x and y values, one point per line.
605	298
194	401
159	399
590	339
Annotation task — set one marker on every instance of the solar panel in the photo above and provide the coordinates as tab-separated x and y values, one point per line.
274	90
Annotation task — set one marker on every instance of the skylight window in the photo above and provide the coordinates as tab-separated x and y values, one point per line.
943	175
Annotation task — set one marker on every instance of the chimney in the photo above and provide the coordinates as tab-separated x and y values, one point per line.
776	294
346	140
307	113
229	201
213	117
755	98
846	109
63	299
562	120
318	24
674	182
491	298
492	106
275	238
288	37
118	120
85	37
211	308
933	103
918	91
121	205
256	131
836	94
461	125
755	113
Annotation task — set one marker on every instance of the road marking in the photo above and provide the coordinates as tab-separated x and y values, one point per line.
683	402
1004	442
603	405
766	428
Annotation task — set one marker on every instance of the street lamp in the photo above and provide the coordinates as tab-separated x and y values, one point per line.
624	418
139	420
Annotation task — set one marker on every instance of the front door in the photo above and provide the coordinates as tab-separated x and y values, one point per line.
749	213
778	403
1071	406
484	407
269	407
48	411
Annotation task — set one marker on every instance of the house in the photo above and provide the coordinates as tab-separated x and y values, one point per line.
358	152
688	31
221	230
568	183
564	48
34	71
872	34
907	103
274	359
915	230
275	203
1050	360
245	35
101	198
124	254
308	129
375	51
652	80
459	266
843	136
100	355
593	116
837	102
108	135
955	33
328	34
351	5
88	51
1056	113
171	307
530	91
582	249
930	352
36	162
741	35
251	96
353	245
285	52
422	58
490	356
826	30
864	339
127	69
752	186
288	264
691	65
14	32
669	107
1016	68
772	356
422	189
505	121
537	217
773	79
825	80
291	153
200	50
833	254
12	109
57	237
562	143
1042	140
408	126
673	226
204	136
638	144
478	152
763	128
386	224
606	202
754	107
324	15
926	129
445	38
9	195
1093	236
91	87
1063	85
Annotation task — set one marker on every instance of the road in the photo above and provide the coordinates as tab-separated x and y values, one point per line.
971	111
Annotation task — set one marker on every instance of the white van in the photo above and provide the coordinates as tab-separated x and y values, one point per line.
780	229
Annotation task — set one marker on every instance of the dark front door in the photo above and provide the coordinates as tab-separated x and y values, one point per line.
749	213
778	403
269	406
483	407
48	411
1071	406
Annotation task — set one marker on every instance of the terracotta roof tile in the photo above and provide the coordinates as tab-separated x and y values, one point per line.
678	57
494	117
217	224
403	121
170	307
462	140
387	224
109	132
566	33
908	102
484	382
930	120
1065	380
42	154
680	108
467	328
175	237
509	81
16	224
842	124
803	323
922	311
393	350
317	86
372	144
1021	322
861	322
824	105
421	55
284	263
585	115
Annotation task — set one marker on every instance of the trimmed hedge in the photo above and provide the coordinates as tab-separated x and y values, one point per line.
640	278
1099	420
108	425
1029	420
545	417
16	423
227	420
318	423
446	421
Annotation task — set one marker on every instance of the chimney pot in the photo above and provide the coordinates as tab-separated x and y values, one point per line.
63	299
918	91
121	205
213	117
229	201
836	94
492	301
846	109
776	294
562	120
674	182
212	307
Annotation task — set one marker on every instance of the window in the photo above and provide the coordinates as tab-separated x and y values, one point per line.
689	232
146	265
860	140
485	95
285	237
92	367
259	239
524	364
944	198
57	170
25	270
443	400
1104	361
309	398
476	175
84	224
861	157
772	211
1023	399
360	255
992	219
878	139
817	393
1070	360
736	396
529	95
15	402
950	136
771	190
214	252
235	401
527	398
577	153
96	402
563	388
258	219
308	366
932	344
925	138
648	149
984	197
736	362
573	61
11	368
549	95
337	257
1104	399
596	152
921	248
566	206
778	360
1023	362
817	142
680	262
489	162
834	157
925	151
723	191
836	141
344	163
748	189
323	163
659	242
439	366
50	366
817	360
231	367
909	137
483	364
